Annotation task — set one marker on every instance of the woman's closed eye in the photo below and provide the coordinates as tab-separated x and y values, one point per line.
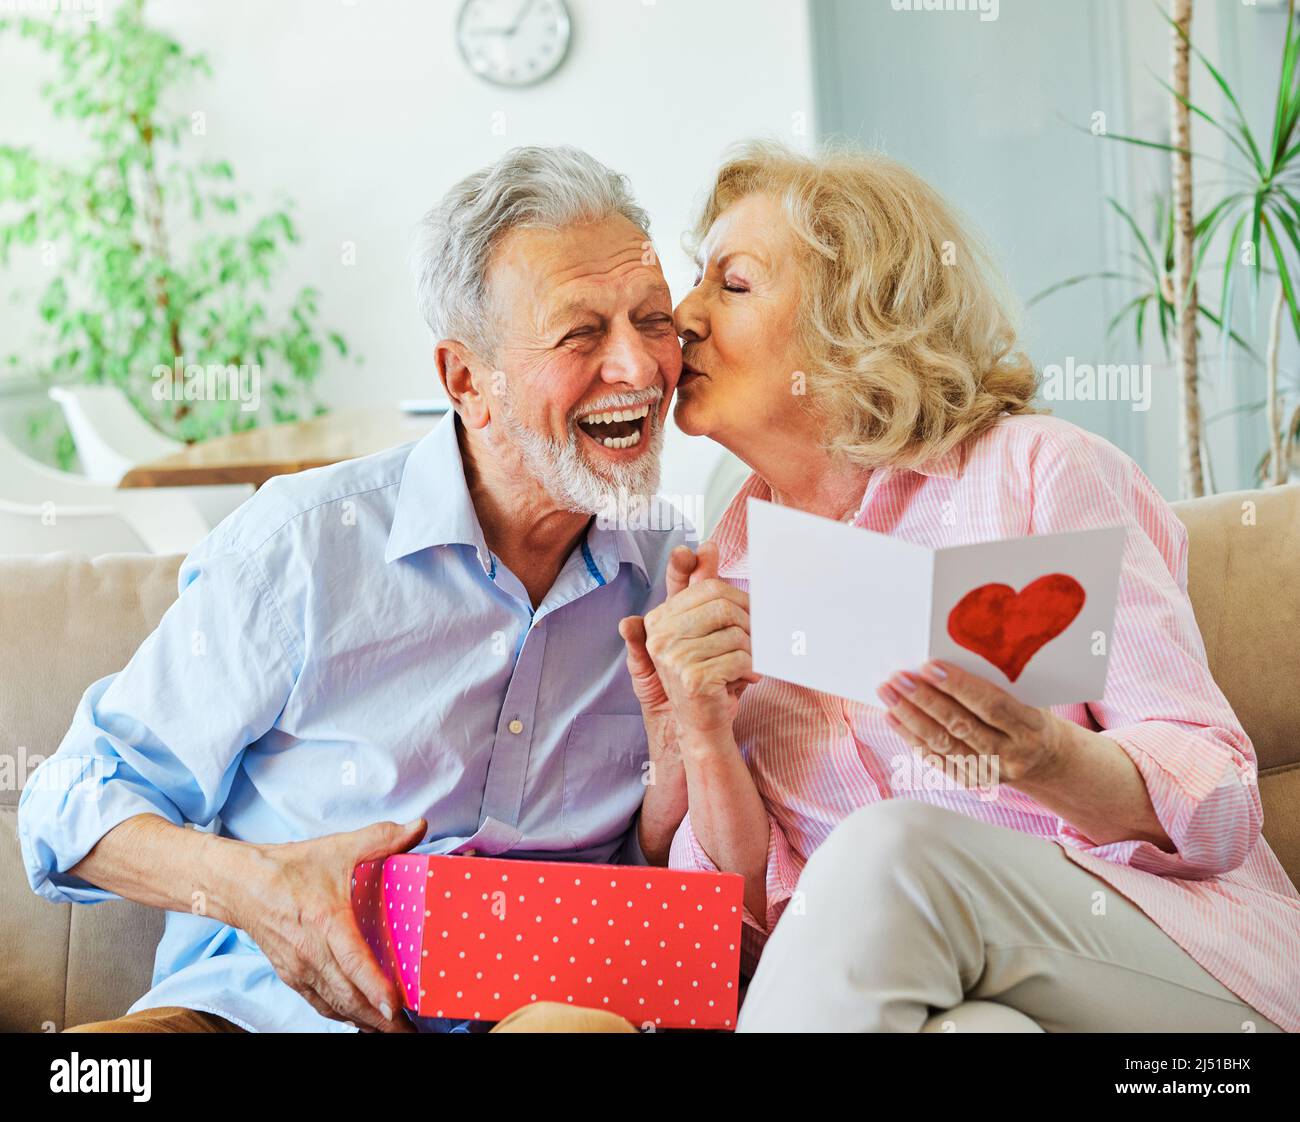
736	286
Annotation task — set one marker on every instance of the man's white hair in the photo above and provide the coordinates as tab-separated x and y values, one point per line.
531	187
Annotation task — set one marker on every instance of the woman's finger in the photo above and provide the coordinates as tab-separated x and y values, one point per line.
681	564
706	563
921	728
704	619
951	715
727	668
722	671
715	643
702	592
991	704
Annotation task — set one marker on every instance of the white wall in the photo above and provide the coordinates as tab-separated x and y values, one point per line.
363	113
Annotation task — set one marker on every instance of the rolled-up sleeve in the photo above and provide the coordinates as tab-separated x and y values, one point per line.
1161	706
783	869
163	736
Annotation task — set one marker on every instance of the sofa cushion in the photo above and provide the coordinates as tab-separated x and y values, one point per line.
62	965
1244	583
67	621
1279	792
34	940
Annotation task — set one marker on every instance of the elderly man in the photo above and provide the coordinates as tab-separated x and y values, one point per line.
428	635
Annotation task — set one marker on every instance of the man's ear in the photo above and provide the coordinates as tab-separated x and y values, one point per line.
467	381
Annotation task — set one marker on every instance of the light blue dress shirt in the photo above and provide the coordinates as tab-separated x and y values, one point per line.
345	649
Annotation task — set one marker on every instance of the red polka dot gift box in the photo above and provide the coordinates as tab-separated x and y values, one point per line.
478	937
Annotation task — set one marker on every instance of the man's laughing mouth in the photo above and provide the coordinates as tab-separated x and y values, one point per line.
617	429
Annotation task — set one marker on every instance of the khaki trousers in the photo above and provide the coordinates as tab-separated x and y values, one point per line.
543	1016
908	910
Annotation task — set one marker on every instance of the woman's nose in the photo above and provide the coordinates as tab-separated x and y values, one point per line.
690	318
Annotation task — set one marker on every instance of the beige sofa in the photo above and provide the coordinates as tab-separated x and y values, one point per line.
65	622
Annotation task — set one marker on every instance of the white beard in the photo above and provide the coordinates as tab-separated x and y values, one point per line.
574	483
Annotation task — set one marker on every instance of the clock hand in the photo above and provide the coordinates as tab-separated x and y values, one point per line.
509	29
519	19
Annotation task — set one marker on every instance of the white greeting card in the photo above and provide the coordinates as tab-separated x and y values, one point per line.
840	609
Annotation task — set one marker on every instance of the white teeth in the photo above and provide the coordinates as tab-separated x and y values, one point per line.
633	414
621	441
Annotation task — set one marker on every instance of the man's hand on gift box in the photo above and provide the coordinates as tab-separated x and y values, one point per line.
298	909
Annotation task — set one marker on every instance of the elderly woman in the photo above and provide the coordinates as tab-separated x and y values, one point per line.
846	338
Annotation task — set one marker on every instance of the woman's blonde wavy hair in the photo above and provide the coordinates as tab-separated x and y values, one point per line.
905	318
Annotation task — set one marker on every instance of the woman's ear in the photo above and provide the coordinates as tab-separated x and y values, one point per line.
462	377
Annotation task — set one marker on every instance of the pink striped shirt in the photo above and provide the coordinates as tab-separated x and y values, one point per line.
1223	896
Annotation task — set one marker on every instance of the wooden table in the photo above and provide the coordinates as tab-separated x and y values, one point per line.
254	456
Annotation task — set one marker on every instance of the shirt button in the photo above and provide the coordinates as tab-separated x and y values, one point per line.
516	726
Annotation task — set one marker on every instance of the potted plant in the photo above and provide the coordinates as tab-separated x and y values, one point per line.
154	263
1258	204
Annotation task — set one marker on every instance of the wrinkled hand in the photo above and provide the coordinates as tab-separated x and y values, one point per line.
683	571
694	657
299	912
955	713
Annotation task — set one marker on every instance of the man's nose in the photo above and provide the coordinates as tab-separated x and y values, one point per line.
629	359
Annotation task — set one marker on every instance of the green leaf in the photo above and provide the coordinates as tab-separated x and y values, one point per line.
1203	233
1232	335
1143	143
1230	273
1137	233
1256	159
1213	121
1287	104
1284	275
1131	306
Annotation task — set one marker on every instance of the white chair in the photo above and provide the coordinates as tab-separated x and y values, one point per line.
111	438
46	511
65	529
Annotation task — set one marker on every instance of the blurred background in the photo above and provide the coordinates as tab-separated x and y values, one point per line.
238	183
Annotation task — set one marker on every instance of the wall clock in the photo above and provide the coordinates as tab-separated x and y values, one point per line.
513	42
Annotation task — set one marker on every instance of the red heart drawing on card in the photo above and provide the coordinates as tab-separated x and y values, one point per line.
1007	627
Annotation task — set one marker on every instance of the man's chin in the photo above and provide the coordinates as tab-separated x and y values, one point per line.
637	474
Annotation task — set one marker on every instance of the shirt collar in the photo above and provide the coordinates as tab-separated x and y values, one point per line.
434	508
949	465
610	546
433	503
